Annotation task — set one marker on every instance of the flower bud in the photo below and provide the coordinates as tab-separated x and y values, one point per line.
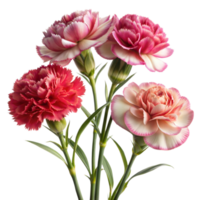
118	71
139	146
85	63
57	126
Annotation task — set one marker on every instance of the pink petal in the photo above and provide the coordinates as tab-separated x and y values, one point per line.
137	127
184	102
160	108
168	127
140	113
101	30
119	106
86	44
131	57
67	55
105	50
146	86
46	54
134	87
185	118
51	44
159	47
164	53
120	41
76	31
103	20
175	93
130	95
153	64
161	141
146	44
62	42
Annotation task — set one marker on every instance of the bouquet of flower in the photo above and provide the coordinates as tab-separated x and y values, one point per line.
156	116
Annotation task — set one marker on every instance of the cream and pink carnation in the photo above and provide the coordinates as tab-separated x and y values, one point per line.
45	93
137	41
152	111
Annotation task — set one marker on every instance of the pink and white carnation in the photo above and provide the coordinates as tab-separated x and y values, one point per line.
137	41
152	111
74	33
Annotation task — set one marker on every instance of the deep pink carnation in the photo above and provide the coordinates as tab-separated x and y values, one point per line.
45	93
137	40
74	33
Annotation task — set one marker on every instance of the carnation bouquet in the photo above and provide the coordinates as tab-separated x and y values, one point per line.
157	117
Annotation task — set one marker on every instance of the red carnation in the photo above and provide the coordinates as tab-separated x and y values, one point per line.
45	93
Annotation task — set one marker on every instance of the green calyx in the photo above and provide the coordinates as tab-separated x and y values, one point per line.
118	71
57	126
85	63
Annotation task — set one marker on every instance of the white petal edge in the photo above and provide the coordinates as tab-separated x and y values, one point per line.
164	53
119	106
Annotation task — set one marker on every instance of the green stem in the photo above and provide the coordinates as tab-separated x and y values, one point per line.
125	176
70	166
93	179
103	143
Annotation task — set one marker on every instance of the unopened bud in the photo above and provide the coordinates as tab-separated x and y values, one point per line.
118	71
57	126
85	63
139	146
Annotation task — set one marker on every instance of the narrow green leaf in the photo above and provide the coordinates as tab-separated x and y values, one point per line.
50	130
83	76
122	83
109	173
50	150
147	170
98	66
87	113
81	155
106	92
99	72
58	145
122	155
83	126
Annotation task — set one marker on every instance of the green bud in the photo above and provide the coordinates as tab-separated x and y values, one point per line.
118	71
85	63
57	126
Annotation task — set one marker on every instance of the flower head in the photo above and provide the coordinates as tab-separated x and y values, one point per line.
74	33
152	111
137	40
45	93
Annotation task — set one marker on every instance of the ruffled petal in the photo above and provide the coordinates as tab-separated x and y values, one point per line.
51	44
146	86
161	141
105	50
159	47
153	64
160	108
140	113
119	106
137	127
185	118
146	44
76	31
131	57
45	53
168	127
130	95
